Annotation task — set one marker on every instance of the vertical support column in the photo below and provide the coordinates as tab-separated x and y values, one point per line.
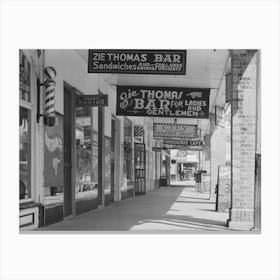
257	224
101	158
118	162
243	138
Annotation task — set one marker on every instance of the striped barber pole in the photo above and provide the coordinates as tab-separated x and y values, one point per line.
49	98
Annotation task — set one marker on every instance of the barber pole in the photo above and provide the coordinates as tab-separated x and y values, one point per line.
49	98
50	74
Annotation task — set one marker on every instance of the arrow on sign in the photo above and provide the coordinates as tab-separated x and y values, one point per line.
195	94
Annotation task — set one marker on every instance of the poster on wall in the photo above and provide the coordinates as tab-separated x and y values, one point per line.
53	154
219	116
165	102
171	130
160	62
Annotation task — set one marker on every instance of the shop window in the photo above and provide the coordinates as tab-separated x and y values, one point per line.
24	153
127	156
24	77
107	165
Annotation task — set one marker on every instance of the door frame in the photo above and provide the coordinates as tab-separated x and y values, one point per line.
143	169
72	95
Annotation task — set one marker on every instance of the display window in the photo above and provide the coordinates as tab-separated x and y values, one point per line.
107	165
127	156
25	131
24	153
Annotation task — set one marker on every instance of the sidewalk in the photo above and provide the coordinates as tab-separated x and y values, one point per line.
164	209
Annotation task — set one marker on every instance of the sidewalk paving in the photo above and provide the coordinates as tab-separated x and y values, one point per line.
173	208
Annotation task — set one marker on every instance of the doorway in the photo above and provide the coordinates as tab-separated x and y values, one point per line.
140	168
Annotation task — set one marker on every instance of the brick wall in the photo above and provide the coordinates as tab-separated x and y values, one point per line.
243	137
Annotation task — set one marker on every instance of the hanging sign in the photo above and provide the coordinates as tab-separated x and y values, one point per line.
92	100
183	142
163	102
160	62
219	116
170	130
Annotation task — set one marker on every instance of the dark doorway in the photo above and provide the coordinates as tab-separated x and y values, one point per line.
140	169
113	133
69	98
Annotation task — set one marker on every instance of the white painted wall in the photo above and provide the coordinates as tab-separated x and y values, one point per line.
71	68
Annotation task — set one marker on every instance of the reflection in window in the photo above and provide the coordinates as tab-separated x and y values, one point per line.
24	154
86	158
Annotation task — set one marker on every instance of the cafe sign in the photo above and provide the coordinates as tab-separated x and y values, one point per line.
169	130
92	100
165	102
160	62
183	142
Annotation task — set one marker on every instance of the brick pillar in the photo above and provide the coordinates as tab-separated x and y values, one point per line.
243	138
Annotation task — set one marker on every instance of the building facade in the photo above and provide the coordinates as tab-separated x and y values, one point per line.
89	157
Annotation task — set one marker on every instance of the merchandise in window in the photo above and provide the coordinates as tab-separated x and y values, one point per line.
24	154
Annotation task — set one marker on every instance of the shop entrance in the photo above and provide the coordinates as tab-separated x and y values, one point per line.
140	168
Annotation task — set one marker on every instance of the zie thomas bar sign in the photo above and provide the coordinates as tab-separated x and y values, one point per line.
163	102
160	62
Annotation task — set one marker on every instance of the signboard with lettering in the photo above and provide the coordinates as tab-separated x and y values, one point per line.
160	62
165	102
53	155
182	142
92	100
170	130
219	116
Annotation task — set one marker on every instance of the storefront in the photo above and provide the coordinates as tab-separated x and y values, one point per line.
30	74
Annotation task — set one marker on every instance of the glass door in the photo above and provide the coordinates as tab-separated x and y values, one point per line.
140	168
86	161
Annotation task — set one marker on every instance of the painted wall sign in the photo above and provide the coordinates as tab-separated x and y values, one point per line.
53	155
92	100
183	142
160	62
170	130
163	102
